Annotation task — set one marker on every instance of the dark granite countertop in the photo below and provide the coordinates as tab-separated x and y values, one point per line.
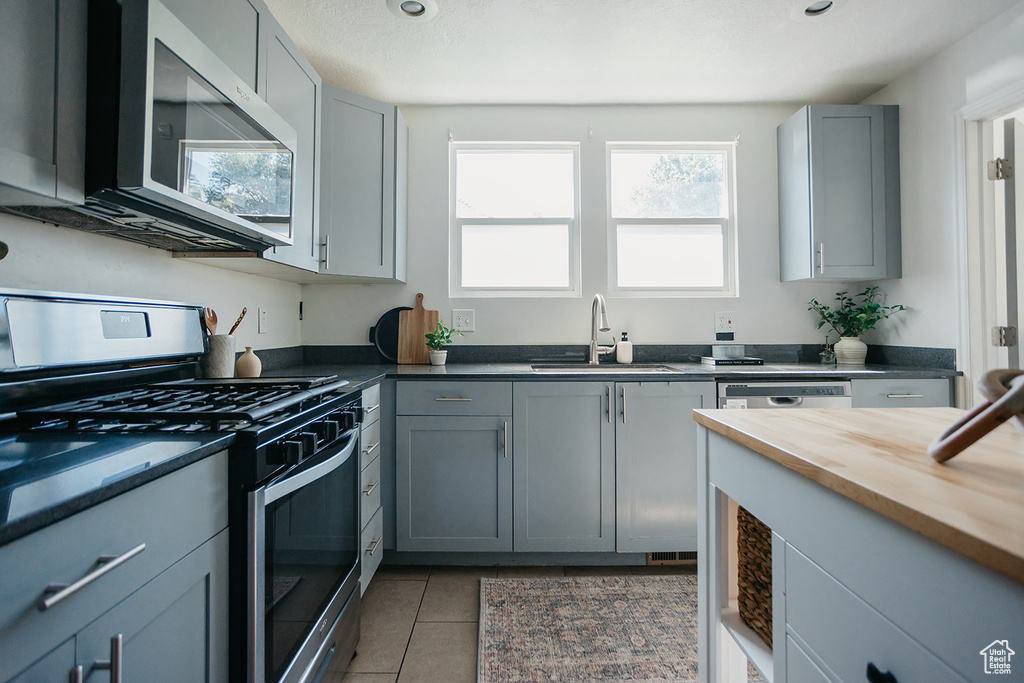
46	477
360	376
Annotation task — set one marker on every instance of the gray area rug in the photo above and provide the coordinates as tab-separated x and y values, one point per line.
622	628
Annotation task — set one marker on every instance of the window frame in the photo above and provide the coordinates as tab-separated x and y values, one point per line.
456	224
730	250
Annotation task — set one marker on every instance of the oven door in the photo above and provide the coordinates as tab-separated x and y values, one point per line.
303	560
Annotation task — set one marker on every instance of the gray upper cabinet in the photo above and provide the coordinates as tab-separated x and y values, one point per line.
656	465
563	448
839	193
293	89
230	28
363	171
42	101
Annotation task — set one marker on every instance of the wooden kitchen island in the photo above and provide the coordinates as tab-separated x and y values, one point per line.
880	556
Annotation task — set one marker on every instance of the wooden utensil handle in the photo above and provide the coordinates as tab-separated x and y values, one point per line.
1004	390
237	322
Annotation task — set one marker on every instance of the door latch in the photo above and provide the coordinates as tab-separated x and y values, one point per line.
1004	336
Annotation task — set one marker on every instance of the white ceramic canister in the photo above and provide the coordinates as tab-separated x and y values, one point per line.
219	361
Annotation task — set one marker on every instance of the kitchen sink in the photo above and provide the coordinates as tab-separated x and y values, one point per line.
602	368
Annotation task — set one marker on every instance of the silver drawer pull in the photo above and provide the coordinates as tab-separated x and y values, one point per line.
114	663
467	400
373	547
77	674
57	592
374	485
371	449
904	395
370	409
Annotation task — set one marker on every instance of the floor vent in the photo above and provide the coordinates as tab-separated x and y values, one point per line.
671	558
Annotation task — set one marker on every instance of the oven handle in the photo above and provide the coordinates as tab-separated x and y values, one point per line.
294	482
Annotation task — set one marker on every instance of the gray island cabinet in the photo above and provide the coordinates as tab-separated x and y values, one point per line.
839	193
547	466
160	609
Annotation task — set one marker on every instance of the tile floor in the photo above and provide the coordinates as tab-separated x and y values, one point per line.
419	624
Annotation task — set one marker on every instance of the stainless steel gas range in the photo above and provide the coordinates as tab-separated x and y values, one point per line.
89	373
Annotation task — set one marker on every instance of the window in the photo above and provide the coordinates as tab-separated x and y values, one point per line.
514	220
671	219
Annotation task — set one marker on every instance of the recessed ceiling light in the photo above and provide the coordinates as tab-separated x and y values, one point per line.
413	10
818	8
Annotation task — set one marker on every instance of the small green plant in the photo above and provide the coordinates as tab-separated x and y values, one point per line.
440	337
850	318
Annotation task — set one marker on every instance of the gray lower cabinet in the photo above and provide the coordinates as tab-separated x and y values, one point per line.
363	174
166	599
564	462
454	483
42	101
656	464
370	514
839	193
902	393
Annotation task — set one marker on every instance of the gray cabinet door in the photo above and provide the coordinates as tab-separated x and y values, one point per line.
564	463
293	89
172	629
230	28
42	101
453	484
656	465
358	181
56	666
839	196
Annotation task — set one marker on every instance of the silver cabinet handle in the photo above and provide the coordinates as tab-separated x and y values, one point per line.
371	448
609	389
623	405
373	547
57	592
904	395
327	252
114	663
504	439
371	408
467	400
77	674
821	262
374	485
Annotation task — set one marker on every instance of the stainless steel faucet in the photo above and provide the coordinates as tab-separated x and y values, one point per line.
598	308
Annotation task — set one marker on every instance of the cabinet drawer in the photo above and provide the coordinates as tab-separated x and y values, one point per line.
846	633
454	398
171	516
373	548
371	404
907	393
369	497
369	444
799	666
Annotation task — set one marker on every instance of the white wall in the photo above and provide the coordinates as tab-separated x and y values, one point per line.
981	65
45	257
767	311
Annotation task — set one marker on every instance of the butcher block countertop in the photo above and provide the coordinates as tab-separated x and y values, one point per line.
877	457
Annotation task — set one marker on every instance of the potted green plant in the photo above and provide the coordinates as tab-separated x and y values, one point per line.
850	318
437	340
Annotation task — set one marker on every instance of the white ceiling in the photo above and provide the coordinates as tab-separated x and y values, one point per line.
625	51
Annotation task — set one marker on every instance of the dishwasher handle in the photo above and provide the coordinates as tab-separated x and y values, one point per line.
785	401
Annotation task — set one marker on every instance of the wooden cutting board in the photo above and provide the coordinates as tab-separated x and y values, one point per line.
413	327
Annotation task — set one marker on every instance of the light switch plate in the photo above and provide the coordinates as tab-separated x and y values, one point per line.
464	319
261	321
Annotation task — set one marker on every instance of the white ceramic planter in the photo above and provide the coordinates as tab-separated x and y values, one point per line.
438	357
850	351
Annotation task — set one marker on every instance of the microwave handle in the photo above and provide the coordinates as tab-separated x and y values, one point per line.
292	483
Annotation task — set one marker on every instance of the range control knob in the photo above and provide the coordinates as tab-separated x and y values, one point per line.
347	419
329	430
309	440
291	452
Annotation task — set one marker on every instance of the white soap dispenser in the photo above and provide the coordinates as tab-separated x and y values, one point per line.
624	350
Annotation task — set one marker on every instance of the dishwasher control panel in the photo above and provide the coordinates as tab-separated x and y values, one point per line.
785	395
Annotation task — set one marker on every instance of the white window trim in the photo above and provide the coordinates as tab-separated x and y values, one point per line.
730	247
455	288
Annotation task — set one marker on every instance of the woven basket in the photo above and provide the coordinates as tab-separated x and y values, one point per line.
754	547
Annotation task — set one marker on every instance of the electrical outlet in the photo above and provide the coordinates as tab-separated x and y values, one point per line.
725	321
464	319
261	321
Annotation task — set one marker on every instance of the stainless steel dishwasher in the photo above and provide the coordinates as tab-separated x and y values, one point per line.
785	395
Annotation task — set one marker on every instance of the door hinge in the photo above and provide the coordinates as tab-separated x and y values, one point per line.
1000	169
1004	336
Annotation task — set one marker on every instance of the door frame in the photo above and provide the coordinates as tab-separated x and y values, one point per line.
976	232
